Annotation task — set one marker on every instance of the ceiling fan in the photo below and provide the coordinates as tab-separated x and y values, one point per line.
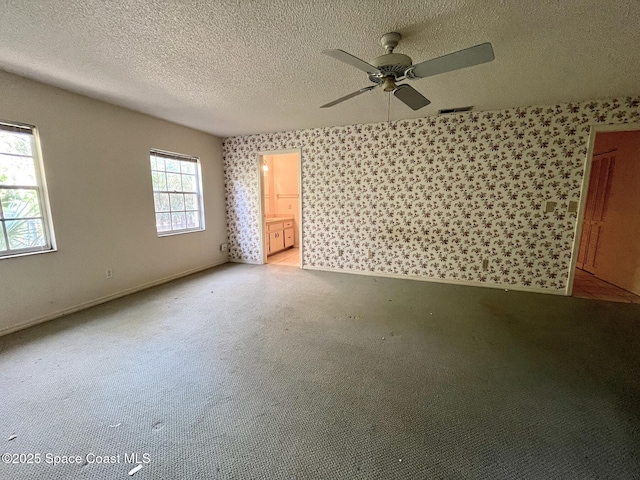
390	68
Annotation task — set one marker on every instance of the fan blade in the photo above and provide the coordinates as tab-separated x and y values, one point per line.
351	60
461	59
347	97
411	97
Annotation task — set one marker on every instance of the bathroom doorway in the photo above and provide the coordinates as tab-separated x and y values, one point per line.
281	207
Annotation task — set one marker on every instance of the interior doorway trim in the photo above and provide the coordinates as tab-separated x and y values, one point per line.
258	166
577	233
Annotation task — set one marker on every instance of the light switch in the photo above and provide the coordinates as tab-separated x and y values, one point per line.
550	207
573	206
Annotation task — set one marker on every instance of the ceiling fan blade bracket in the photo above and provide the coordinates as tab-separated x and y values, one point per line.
410	75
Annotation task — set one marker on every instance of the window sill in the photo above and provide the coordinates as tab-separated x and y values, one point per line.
181	232
27	254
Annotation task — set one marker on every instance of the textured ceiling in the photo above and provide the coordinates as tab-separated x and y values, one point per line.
240	67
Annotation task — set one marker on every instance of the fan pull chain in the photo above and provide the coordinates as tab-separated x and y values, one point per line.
388	109
388	122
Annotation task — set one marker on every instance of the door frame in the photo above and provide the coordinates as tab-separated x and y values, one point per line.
577	233
261	232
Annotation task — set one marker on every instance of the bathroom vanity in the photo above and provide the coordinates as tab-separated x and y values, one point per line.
278	234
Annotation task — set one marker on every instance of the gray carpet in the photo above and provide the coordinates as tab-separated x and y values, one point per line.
271	372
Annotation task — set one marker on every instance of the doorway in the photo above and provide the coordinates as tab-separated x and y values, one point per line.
281	207
607	264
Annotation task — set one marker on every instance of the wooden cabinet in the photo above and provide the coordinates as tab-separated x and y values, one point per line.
276	242
288	238
288	233
279	235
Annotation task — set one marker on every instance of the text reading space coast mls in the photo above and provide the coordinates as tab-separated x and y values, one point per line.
88	458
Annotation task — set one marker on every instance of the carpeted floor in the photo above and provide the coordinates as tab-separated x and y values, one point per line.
256	372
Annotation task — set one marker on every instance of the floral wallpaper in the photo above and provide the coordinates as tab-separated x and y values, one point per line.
455	197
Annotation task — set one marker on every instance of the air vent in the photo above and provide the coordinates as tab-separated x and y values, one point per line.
455	110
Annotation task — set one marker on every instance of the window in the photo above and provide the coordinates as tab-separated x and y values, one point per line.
23	204
176	193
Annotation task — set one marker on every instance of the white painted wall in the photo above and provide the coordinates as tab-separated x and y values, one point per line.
96	160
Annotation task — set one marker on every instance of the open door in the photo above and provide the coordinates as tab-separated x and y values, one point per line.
595	215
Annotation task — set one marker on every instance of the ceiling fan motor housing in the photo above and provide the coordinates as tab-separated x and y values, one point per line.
390	65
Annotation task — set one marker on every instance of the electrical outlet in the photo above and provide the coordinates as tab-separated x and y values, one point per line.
370	255
339	252
550	207
109	273
485	264
223	247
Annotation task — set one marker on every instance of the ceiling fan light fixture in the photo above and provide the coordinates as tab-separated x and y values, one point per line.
389	84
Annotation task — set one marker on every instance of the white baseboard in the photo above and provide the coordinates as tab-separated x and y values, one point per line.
246	262
441	280
107	298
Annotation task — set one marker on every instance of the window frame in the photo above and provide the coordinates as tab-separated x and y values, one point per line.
40	189
154	152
